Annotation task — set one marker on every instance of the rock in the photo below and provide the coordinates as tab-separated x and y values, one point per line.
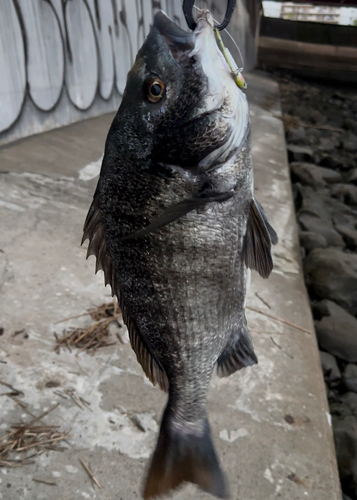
326	144
314	216
321	204
330	368
331	162
345	497
320	309
307	174
324	227
339	95
350	124
343	404
350	376
335	205
340	409
336	333
342	214
346	193
300	153
310	240
345	435
352	176
313	136
349	235
332	274
349	142
296	135
312	202
349	400
313	175
328	175
343	219
308	113
334	162
348	164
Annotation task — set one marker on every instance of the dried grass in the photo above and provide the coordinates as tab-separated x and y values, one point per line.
96	336
30	440
280	320
90	473
109	310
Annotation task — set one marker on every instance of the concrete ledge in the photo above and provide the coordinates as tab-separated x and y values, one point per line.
270	423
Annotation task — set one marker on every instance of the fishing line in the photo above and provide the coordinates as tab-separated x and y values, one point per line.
231	37
237	47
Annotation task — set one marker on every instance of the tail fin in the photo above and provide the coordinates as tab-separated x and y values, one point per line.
184	454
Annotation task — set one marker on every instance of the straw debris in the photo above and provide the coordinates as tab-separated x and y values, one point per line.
44	481
96	336
90	473
28	440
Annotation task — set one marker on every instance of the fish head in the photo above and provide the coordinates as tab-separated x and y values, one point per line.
180	93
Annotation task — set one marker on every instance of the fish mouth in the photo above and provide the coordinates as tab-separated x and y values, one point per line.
204	20
176	38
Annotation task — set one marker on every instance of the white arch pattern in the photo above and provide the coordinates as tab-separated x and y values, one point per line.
82	47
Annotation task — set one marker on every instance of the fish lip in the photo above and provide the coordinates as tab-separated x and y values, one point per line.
172	33
204	21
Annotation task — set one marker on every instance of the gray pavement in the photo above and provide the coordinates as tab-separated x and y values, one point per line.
270	423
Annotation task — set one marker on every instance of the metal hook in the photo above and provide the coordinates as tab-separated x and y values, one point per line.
188	7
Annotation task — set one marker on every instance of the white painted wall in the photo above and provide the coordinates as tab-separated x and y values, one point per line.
271	9
308	12
64	61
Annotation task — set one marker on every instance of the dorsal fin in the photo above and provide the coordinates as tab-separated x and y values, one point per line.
258	240
94	231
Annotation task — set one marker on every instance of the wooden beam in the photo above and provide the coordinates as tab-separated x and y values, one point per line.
323	60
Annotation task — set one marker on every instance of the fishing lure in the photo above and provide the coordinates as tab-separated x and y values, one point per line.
236	72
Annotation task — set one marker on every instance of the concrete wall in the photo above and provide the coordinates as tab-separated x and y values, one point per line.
66	60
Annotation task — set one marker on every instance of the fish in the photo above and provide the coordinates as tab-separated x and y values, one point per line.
176	228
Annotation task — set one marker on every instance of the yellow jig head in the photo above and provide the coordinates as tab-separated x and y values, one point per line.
236	72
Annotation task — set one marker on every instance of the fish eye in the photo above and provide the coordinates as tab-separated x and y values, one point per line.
155	90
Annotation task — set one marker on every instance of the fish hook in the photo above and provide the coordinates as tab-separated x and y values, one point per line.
188	7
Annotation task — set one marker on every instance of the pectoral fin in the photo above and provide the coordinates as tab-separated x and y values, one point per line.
259	238
176	211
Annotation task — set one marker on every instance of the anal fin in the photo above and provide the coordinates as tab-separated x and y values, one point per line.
259	238
238	354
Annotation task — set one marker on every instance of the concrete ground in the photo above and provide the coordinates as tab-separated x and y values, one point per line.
270	423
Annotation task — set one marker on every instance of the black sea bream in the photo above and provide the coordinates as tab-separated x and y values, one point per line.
175	227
